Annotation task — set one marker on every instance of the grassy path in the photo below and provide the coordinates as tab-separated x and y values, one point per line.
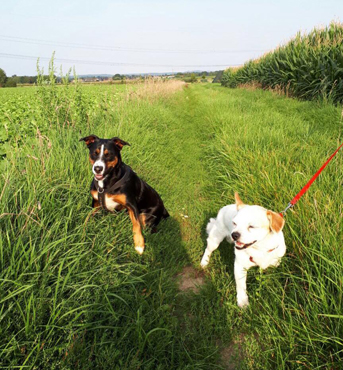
74	293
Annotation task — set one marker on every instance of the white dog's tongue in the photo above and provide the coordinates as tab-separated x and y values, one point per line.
239	244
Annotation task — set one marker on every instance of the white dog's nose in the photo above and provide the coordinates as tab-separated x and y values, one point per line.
235	235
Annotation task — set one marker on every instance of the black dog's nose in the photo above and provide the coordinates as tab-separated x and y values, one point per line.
235	236
98	169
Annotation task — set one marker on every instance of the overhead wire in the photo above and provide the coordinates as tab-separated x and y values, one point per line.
118	48
95	62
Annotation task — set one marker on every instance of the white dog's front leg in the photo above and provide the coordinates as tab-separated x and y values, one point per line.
211	246
241	285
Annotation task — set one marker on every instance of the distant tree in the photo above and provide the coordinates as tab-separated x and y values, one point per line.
219	76
193	78
15	78
3	78
11	82
117	76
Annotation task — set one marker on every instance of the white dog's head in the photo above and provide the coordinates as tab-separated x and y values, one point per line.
253	223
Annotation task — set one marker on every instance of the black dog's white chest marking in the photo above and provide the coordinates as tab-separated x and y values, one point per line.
110	204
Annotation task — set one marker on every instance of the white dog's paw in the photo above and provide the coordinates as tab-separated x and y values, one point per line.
243	301
204	262
277	262
139	250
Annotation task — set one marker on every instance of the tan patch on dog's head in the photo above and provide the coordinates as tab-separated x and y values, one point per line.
276	221
239	202
112	163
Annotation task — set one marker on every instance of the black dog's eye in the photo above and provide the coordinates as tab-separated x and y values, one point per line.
107	155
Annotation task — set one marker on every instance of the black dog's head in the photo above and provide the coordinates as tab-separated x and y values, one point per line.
104	154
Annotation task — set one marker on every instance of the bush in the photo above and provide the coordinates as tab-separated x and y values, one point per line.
11	82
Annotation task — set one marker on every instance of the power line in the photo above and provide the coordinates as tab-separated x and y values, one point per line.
117	48
94	62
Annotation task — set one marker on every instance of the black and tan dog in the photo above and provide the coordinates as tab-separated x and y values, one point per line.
116	186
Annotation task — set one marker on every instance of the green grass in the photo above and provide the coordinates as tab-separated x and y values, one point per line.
75	295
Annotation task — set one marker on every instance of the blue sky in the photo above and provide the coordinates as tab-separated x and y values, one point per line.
226	32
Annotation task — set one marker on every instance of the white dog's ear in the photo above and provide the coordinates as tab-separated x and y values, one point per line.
239	202
276	221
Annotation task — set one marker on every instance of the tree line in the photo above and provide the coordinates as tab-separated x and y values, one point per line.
14	80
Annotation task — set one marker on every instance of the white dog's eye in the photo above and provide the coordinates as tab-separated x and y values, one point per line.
251	227
234	224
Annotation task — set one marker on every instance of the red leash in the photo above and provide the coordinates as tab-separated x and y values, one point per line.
306	187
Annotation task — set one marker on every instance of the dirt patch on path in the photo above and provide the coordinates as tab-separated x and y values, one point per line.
233	354
190	279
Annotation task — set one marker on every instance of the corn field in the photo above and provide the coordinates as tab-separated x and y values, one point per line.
309	67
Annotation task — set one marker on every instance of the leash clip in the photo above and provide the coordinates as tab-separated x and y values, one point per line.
290	205
100	192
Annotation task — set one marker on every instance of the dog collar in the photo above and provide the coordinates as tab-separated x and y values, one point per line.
111	189
270	250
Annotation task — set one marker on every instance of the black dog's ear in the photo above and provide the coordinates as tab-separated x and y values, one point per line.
89	139
119	143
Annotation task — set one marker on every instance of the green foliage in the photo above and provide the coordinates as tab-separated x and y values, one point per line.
30	112
11	82
7	81
60	105
191	79
308	67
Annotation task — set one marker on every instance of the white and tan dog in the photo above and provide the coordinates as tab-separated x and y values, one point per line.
257	235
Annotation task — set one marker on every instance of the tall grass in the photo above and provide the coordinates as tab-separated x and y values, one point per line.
75	295
308	67
73	291
267	148
156	88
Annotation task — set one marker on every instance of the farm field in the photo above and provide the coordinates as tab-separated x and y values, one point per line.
74	294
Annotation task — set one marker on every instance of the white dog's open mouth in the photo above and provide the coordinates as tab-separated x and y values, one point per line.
240	245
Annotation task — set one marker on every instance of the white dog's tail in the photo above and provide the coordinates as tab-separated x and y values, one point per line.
210	225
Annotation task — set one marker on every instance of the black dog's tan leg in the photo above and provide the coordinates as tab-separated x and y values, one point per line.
95	202
134	216
142	219
137	231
